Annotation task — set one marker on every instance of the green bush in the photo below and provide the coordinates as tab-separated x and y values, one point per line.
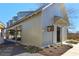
33	49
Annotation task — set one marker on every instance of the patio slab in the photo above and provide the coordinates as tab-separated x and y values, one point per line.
29	54
73	51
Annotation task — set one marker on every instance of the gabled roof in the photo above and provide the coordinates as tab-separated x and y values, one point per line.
30	14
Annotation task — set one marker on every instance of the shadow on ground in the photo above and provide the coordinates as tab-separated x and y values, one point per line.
9	48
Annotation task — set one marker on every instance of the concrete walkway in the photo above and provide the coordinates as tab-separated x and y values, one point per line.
29	54
73	51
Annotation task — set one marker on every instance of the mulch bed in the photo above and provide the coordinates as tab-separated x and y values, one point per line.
56	50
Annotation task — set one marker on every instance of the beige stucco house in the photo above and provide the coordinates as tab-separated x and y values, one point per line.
43	27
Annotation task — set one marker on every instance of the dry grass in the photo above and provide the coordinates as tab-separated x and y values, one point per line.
74	36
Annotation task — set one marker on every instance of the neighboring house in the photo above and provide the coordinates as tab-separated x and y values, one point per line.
2	26
45	26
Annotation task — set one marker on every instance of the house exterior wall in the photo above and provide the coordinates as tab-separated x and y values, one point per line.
48	14
64	33
34	29
31	31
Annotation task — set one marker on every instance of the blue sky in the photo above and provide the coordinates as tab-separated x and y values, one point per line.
7	11
73	14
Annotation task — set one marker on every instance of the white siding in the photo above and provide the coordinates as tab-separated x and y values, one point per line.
48	14
64	33
32	33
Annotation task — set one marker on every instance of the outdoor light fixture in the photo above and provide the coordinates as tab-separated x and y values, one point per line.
50	28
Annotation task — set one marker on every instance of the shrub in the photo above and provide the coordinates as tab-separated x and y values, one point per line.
72	42
33	49
70	46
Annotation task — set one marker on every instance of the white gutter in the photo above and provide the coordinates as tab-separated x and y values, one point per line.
47	6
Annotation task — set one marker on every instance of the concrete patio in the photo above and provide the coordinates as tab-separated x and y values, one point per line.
29	54
73	51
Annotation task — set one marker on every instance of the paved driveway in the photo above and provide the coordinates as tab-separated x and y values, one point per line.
9	48
14	49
